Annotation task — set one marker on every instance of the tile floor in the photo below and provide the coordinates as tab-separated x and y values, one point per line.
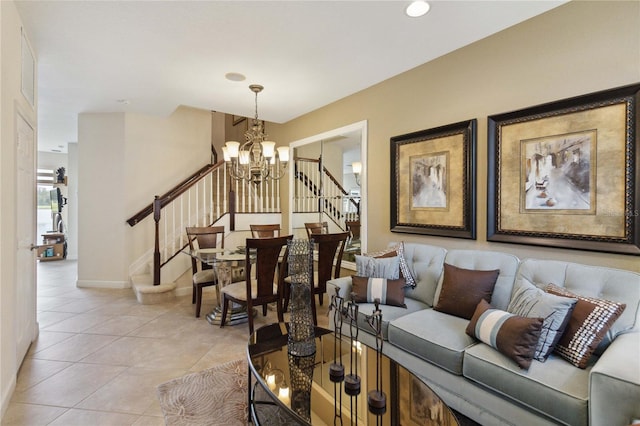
100	354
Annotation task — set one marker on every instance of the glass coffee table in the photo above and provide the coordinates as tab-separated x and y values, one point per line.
292	390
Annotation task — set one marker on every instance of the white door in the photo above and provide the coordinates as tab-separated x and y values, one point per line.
26	324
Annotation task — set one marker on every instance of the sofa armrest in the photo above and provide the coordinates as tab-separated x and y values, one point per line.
343	284
614	383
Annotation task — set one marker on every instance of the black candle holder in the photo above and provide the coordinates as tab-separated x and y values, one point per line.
377	399
352	382
336	368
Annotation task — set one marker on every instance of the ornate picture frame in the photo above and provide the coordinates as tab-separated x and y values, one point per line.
433	181
565	174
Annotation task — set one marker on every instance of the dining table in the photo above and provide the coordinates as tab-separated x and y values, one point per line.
228	265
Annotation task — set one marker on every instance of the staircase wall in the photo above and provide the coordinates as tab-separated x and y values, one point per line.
123	158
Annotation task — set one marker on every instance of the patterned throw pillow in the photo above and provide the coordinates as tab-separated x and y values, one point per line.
529	301
372	267
589	322
389	292
462	289
512	335
398	250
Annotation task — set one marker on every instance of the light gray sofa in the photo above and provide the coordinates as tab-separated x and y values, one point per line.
477	380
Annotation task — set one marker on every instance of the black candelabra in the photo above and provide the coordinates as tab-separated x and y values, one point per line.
352	381
336	368
376	398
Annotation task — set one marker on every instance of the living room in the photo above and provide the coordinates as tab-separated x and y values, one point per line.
575	49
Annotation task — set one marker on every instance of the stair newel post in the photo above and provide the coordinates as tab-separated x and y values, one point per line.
232	210
156	250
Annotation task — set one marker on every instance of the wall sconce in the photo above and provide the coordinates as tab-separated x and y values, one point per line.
357	171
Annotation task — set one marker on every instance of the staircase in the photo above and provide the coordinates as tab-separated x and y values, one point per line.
211	197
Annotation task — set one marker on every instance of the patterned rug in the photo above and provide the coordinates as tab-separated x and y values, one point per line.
217	396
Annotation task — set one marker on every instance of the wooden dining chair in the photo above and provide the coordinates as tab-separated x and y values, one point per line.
203	237
265	285
353	226
330	248
265	231
316	228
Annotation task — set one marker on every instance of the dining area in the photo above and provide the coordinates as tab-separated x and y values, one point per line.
269	270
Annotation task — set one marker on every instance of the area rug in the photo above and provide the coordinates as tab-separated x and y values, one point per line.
216	396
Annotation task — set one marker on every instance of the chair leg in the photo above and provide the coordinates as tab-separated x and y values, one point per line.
193	295
198	300
320	298
264	310
225	308
280	310
313	311
250	313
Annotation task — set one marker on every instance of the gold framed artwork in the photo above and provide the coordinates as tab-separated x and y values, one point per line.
433	176
419	405
565	174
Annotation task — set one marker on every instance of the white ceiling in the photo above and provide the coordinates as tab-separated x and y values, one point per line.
158	55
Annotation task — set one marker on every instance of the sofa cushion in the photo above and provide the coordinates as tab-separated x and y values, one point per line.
389	313
398	250
589	322
487	260
530	301
425	263
433	336
512	335
387	267
388	292
555	388
462	289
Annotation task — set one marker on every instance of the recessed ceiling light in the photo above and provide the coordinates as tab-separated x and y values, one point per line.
417	8
123	101
235	76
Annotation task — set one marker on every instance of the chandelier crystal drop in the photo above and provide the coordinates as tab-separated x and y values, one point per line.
257	159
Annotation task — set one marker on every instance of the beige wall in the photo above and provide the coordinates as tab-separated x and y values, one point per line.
124	160
11	101
578	48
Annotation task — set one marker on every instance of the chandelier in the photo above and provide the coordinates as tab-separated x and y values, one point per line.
257	159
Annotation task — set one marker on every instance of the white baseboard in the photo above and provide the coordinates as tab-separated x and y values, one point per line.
7	392
102	284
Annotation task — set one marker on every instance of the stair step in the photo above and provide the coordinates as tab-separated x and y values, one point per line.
149	294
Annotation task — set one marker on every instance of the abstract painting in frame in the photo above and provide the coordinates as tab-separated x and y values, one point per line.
433	181
565	174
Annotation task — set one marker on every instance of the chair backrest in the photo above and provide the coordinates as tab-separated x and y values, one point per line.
265	231
330	249
267	255
353	226
316	228
204	237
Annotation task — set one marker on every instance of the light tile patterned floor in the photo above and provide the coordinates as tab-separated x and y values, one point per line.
100	354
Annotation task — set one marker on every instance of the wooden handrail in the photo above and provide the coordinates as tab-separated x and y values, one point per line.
329	174
173	192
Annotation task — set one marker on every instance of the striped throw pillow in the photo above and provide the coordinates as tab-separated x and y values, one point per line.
367	290
512	335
